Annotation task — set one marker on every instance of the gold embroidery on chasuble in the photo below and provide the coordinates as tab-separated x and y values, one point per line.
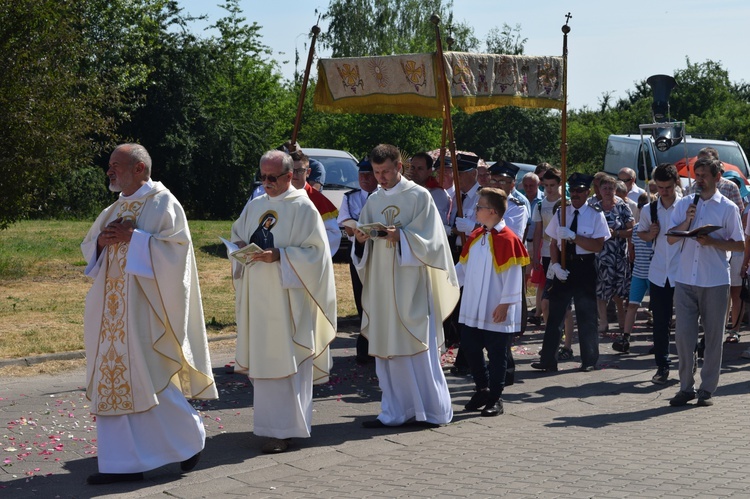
114	391
390	213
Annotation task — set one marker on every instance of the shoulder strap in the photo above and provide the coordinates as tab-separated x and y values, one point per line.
654	211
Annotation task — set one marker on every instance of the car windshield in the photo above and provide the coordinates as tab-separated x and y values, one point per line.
340	171
728	153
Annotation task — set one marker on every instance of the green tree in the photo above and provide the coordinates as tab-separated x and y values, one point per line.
50	102
385	27
215	105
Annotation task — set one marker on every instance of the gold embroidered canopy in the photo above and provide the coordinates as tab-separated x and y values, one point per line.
406	84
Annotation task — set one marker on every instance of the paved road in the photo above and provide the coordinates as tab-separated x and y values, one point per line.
609	433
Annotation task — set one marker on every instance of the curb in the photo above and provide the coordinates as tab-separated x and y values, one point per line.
343	323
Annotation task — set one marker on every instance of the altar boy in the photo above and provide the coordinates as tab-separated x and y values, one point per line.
490	270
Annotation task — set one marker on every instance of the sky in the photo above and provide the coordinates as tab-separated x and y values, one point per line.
612	43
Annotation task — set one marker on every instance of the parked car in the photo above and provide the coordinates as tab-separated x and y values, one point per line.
342	175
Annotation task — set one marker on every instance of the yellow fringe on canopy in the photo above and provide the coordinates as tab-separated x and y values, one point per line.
475	104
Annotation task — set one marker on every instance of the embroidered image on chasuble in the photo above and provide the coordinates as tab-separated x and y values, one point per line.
114	392
397	299
143	333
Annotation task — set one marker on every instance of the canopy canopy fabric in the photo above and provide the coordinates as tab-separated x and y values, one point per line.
406	84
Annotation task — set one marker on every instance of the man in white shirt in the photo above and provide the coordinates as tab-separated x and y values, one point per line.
703	279
503	176
627	176
349	212
583	233
664	263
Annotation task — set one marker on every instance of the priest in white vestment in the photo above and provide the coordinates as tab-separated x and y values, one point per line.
409	288
144	331
285	305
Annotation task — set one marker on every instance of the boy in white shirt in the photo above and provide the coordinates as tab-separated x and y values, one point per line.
491	271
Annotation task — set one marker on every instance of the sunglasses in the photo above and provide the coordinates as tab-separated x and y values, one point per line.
270	178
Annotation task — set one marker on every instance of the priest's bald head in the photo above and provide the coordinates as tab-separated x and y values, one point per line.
386	165
129	168
276	172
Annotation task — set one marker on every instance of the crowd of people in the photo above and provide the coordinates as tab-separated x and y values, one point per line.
430	266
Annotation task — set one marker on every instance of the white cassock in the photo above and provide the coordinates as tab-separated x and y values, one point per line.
286	313
409	288
145	337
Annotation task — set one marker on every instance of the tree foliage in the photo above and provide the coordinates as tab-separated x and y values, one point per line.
50	103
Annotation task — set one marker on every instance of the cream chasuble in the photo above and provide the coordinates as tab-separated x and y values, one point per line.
143	331
395	297
286	310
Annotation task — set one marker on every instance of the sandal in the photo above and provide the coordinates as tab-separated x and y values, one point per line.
732	337
564	353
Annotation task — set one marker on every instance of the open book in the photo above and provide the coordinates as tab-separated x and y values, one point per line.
698	231
373	230
241	254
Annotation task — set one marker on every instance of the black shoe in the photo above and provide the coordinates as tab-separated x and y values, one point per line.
682	398
105	478
459	371
704	399
374	423
425	424
587	369
535	320
662	376
493	409
189	464
622	345
478	400
544	367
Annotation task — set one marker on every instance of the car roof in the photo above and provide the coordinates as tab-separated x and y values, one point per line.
331	153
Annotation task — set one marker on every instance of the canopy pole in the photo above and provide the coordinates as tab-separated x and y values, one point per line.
564	133
447	123
315	31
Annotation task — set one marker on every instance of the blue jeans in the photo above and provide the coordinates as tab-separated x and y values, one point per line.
473	343
661	307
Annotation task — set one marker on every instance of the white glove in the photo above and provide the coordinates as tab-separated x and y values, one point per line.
465	225
565	234
555	270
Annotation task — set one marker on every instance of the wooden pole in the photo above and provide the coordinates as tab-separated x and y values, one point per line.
315	31
564	133
447	123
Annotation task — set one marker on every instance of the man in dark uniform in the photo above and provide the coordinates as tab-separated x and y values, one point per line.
583	234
